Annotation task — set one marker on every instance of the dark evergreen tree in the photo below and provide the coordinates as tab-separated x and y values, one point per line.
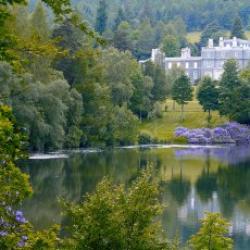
182	91
121	38
237	29
102	17
228	85
119	19
208	96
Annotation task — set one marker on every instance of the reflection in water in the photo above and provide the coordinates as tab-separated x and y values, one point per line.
192	180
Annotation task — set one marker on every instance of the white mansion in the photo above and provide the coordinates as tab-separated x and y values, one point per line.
211	61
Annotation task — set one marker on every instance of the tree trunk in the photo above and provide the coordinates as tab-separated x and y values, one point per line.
182	112
209	118
173	105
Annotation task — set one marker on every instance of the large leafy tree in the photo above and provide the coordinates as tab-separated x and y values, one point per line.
161	85
213	31
42	109
171	46
117	218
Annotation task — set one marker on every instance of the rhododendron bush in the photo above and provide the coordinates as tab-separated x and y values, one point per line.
229	133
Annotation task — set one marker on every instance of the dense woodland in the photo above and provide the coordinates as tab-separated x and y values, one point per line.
65	92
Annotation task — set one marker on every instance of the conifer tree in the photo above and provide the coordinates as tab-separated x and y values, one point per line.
237	29
208	96
182	91
212	234
229	83
119	19
101	18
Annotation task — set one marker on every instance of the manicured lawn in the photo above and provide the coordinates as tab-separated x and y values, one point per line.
194	37
163	128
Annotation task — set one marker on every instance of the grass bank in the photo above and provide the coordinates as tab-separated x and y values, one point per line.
163	128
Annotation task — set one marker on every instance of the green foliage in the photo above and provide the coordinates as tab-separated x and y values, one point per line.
124	126
145	138
208	95
116	218
53	107
122	40
182	91
212	234
237	29
161	85
234	94
170	46
212	30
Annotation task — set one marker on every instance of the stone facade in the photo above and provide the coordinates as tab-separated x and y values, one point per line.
211	61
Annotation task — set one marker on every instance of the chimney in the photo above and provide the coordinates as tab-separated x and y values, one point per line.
158	57
221	42
210	43
234	41
186	53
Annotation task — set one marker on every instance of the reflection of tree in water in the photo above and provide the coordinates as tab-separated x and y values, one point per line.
206	184
179	187
233	186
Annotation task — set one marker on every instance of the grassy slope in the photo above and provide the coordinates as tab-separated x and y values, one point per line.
194	37
163	128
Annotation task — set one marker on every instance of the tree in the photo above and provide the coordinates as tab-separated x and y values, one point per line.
120	68
230	81
161	85
39	22
140	102
182	91
119	18
212	31
212	234
208	96
117	218
69	39
101	18
16	231
171	46
237	29
41	109
122	40
124	126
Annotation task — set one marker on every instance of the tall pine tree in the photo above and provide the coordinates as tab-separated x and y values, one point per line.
229	83
102	17
237	29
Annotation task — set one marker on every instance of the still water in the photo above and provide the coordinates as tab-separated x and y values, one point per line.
193	180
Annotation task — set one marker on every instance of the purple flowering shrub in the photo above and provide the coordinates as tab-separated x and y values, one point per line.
17	233
229	133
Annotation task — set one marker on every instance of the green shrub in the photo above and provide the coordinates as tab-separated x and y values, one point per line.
180	140
145	138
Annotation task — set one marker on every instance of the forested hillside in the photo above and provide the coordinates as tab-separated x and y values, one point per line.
195	13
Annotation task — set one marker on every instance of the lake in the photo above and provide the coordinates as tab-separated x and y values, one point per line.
192	179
